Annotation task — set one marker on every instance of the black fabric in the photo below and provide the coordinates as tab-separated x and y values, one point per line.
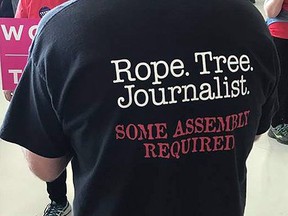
57	189
179	145
6	9
281	116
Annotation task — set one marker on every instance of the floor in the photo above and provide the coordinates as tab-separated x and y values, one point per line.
21	193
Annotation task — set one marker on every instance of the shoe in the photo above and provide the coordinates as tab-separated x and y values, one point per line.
280	133
54	209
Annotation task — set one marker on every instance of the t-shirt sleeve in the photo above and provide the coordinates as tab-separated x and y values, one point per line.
31	120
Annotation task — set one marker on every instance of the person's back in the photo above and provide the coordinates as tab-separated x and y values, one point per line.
158	101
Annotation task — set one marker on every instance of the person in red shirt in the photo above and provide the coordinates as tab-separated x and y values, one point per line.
156	109
35	9
277	13
7	11
56	189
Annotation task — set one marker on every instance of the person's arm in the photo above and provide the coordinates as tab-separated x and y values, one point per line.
21	10
273	7
47	169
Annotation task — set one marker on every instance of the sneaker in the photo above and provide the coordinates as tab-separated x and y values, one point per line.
280	133
54	209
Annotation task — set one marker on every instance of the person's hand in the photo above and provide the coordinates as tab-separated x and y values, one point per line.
8	94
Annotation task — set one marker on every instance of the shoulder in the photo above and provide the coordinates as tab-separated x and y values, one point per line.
53	15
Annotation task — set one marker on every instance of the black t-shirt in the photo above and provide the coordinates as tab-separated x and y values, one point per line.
158	101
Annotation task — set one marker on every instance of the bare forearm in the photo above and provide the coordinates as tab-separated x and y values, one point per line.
273	7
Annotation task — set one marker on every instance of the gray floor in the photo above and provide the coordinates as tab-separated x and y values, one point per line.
21	193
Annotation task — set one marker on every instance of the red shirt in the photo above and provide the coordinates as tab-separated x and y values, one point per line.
35	8
285	5
280	29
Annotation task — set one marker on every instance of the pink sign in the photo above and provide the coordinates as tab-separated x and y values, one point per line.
16	36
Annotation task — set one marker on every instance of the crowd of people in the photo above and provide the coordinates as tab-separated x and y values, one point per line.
156	104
